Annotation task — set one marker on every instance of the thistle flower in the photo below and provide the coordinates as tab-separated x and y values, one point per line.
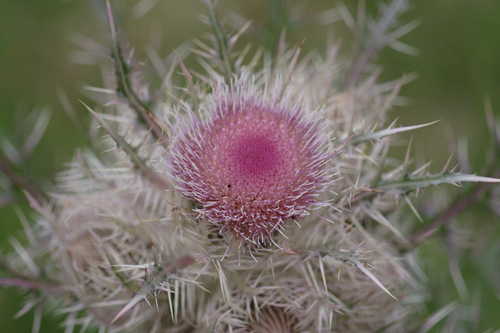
251	166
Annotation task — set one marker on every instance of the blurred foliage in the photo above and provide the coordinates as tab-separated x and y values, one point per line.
457	66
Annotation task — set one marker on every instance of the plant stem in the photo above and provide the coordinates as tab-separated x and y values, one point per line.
23	183
29	284
124	85
21	281
471	197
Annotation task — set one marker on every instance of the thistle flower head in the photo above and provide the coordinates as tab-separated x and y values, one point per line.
251	167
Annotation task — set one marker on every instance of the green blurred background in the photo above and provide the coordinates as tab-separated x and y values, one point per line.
458	66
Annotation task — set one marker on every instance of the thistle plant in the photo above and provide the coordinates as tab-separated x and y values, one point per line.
254	192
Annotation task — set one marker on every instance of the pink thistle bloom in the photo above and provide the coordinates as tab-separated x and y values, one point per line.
251	167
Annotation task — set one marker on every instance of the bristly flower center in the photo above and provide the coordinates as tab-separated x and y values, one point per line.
252	167
255	156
